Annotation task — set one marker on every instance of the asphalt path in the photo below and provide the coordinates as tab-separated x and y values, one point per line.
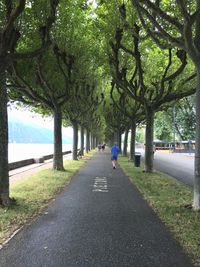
99	220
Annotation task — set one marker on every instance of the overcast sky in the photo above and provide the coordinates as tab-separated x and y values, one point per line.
23	114
27	117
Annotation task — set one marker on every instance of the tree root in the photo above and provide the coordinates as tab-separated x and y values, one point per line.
7	202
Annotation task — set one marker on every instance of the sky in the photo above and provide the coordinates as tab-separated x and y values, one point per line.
32	118
23	114
93	2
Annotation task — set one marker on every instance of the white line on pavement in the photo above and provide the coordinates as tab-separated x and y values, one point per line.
100	185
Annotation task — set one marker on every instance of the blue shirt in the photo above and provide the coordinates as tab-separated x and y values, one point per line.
115	150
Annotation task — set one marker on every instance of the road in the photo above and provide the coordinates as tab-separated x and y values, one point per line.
177	165
99	220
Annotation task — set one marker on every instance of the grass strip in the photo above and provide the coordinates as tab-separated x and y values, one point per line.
169	199
34	194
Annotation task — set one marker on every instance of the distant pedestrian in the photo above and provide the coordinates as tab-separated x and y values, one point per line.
99	147
103	147
114	155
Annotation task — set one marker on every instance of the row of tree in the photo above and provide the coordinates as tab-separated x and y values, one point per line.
177	26
154	61
47	64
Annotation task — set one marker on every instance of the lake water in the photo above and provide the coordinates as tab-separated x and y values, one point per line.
17	152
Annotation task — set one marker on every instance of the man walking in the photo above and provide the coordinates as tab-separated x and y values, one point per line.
114	155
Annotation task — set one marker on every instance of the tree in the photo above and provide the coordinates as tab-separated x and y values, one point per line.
82	101
131	74
132	110
183	112
179	28
13	45
55	91
163	126
37	86
152	91
76	19
116	123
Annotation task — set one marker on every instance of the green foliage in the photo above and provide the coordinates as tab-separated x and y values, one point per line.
185	121
76	34
37	94
186	118
140	135
163	125
33	17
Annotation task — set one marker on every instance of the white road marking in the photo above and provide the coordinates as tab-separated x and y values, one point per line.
100	185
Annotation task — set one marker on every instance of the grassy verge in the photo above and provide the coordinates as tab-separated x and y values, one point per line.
34	194
169	199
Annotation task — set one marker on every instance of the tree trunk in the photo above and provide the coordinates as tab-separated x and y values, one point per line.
149	140
75	140
96	142
133	135
87	141
58	157
92	140
112	140
116	139
82	140
4	175
120	140
125	142
196	200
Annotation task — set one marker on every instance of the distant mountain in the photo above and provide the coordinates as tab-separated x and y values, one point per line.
20	132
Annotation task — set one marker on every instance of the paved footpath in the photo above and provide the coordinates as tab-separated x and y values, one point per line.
22	173
99	220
